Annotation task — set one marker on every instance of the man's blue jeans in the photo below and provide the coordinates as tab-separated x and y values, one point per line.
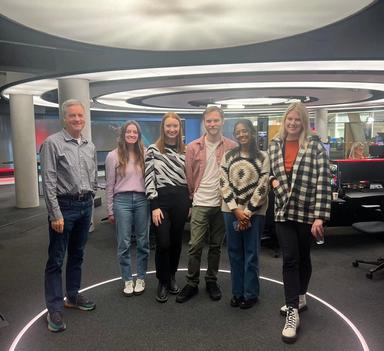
77	219
243	252
131	209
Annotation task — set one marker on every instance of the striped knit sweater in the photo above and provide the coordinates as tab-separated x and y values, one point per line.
244	182
163	170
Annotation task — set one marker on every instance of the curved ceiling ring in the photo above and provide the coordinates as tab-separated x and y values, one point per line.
354	70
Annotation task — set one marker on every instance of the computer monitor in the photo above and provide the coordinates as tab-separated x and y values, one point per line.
376	150
350	171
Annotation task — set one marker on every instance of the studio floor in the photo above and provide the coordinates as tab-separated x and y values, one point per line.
345	308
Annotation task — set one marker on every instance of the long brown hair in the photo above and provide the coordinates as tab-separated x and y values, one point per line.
160	143
123	152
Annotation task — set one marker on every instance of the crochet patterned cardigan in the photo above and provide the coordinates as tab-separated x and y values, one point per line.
244	182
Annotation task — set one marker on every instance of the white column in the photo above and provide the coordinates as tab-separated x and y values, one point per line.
75	88
322	124
24	150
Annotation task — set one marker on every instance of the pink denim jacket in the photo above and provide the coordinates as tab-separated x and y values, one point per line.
195	160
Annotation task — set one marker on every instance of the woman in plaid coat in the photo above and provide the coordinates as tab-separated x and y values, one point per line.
300	180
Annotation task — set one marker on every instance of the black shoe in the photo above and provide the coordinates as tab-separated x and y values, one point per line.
213	291
173	287
162	293
187	293
248	303
236	301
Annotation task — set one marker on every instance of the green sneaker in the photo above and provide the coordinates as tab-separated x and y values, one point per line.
80	302
55	322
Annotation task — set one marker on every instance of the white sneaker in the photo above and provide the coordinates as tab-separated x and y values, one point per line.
302	305
292	323
139	286
128	288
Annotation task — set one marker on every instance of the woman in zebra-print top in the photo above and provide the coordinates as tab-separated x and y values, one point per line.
166	188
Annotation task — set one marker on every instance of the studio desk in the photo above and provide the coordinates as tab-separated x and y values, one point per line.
360	184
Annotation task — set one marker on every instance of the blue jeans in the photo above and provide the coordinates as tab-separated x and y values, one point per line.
131	209
243	252
77	219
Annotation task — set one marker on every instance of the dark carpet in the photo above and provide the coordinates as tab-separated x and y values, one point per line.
140	323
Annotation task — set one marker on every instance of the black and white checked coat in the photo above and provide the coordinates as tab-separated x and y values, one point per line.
309	197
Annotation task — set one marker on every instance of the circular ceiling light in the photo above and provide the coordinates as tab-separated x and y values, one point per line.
178	25
257	101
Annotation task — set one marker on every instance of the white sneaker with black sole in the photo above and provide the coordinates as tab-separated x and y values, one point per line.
302	306
128	288
292	324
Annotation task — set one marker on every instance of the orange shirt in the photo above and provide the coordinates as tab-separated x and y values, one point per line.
291	150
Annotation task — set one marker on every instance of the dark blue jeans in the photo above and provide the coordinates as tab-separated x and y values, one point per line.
77	219
243	252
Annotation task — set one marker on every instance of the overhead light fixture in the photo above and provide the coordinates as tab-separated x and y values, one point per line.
370	120
291	101
235	106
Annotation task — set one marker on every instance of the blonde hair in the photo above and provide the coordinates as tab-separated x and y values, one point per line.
160	143
355	146
123	152
304	117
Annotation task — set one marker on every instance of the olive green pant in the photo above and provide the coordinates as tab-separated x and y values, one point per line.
207	225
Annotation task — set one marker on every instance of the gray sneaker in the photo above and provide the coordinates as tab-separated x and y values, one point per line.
80	302
55	322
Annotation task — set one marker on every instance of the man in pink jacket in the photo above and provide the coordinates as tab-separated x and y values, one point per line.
202	163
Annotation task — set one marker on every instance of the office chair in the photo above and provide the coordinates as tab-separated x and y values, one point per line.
373	227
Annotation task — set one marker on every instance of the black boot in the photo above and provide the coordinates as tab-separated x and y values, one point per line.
213	290
162	293
173	287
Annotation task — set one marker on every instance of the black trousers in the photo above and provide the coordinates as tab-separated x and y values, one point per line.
295	241
174	203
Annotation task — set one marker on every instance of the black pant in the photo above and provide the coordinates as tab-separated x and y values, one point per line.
295	242
174	203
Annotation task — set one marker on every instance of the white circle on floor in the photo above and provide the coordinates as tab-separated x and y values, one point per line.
326	304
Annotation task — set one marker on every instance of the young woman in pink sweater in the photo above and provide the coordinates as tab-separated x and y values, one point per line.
127	204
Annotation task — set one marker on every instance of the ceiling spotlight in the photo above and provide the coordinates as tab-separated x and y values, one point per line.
291	101
235	106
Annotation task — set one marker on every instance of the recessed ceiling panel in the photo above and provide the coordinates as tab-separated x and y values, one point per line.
177	24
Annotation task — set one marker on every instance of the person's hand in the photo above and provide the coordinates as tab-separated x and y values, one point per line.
241	216
275	183
157	217
58	225
111	219
317	228
244	225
